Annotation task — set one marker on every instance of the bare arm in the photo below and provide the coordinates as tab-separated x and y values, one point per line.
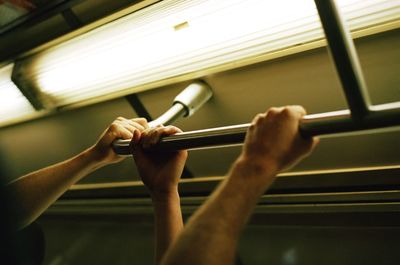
272	144
35	192
160	173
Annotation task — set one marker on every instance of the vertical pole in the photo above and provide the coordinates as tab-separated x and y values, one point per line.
345	57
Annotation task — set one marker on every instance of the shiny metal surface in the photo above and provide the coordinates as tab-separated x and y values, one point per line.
384	115
344	55
194	96
185	104
175	112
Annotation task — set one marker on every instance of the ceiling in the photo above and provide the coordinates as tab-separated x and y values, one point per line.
46	20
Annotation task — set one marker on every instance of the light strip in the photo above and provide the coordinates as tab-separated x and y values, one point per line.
175	37
13	104
218	178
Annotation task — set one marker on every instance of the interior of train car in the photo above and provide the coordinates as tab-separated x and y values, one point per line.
69	68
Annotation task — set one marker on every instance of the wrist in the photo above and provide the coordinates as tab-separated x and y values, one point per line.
257	166
94	160
165	196
255	172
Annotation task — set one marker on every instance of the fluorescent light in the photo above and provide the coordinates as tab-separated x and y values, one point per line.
175	37
13	104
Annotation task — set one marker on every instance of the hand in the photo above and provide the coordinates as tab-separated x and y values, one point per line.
159	171
273	139
121	128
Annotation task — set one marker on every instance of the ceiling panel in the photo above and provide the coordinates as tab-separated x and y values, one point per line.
92	10
47	26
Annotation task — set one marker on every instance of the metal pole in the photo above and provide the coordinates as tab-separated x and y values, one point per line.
185	104
386	115
345	57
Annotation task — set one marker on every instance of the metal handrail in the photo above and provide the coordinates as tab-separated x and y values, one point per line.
385	115
185	104
344	55
360	116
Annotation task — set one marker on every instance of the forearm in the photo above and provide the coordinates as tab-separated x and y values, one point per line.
216	226
272	143
36	191
168	222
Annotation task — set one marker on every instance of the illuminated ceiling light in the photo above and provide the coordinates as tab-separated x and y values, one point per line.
172	38
13	105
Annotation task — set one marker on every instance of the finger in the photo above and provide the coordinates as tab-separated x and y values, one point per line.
159	132
271	114
145	138
152	136
299	110
178	130
163	131
261	118
124	133
120	118
116	130
121	130
129	123
138	123
315	142
142	121
155	135
136	136
258	117
133	128
170	130
134	146
135	124
273	111
308	145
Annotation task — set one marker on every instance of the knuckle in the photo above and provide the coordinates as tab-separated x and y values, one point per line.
152	131
299	107
140	120
260	118
114	126
160	131
261	115
114	134
144	134
270	115
273	110
254	121
287	112
136	125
